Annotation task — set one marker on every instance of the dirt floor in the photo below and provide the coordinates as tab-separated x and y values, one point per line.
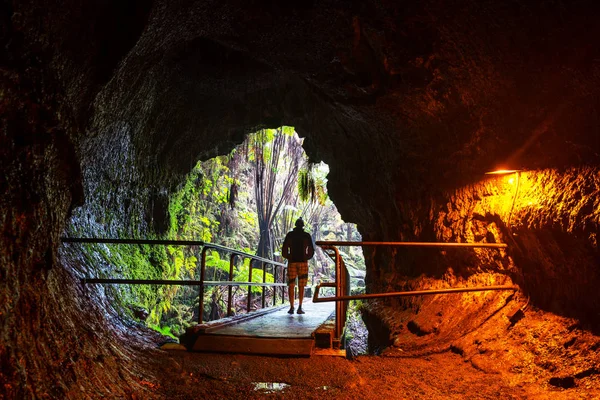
395	374
185	375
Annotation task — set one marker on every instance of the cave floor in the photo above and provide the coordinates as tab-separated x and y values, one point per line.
183	375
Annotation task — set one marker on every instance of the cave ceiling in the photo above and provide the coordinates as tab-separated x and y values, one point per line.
408	96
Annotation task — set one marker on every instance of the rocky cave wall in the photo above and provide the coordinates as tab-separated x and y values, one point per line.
105	106
549	328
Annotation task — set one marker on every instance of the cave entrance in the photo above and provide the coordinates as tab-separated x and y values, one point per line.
248	200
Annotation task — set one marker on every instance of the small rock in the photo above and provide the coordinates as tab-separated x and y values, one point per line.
516	317
457	350
140	313
587	372
415	329
173	346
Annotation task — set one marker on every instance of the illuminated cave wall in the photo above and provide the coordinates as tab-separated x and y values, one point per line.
549	219
553	236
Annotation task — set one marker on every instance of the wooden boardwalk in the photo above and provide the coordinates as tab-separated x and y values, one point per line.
272	331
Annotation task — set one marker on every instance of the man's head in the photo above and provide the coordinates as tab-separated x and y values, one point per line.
299	223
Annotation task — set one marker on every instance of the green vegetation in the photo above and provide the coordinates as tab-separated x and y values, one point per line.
247	200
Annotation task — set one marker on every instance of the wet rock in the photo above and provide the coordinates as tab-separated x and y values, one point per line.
565	383
358	344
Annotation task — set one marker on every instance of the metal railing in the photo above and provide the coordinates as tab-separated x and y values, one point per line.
201	283
341	283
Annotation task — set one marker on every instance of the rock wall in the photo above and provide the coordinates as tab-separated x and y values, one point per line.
549	219
106	104
57	340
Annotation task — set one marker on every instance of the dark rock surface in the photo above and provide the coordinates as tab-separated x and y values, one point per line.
104	105
565	383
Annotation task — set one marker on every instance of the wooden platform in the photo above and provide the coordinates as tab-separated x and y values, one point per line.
272	332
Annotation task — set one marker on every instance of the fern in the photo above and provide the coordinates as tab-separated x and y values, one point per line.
243	275
214	260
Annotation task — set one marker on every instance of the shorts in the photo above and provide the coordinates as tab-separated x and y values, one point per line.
300	270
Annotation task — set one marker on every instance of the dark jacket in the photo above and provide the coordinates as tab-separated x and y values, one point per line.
298	246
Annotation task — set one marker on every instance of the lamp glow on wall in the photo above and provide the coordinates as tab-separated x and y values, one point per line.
517	173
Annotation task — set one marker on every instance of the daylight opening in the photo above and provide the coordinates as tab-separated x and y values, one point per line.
248	200
236	207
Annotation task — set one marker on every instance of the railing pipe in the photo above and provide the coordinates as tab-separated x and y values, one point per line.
275	289
176	282
225	283
249	286
414	244
168	242
339	312
317	299
134	241
230	288
284	283
201	291
264	268
340	277
201	282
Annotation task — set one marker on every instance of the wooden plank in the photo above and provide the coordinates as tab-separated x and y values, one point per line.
223	322
253	345
280	323
329	352
273	332
324	333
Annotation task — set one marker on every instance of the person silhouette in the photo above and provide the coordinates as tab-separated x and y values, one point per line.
297	249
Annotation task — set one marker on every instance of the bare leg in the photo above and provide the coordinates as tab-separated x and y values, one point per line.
300	295
291	294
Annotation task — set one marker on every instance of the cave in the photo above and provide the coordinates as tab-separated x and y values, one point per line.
105	105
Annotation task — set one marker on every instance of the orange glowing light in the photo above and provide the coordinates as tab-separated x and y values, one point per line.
502	171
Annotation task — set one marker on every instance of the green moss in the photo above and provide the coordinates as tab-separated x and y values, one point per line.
165	330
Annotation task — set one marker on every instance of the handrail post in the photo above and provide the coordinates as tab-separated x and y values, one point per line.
230	288
201	292
346	290
338	292
264	268
249	287
340	288
275	287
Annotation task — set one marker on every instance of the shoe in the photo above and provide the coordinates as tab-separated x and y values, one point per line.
291	310
300	311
